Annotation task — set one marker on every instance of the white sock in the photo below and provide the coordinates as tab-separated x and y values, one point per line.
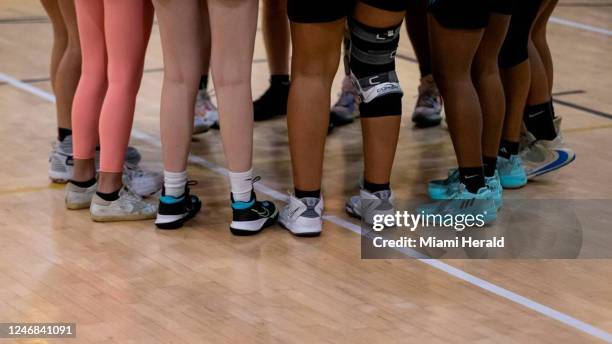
241	184
174	183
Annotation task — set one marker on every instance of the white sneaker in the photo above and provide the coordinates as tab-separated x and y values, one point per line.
142	182
128	207
206	114
303	217
61	163
544	156
365	205
79	198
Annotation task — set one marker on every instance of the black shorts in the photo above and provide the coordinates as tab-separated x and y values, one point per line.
468	14
325	11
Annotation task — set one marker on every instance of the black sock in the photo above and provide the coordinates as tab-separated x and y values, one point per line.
279	80
301	193
508	148
203	82
539	121
62	133
552	109
490	164
472	178
113	196
372	187
84	184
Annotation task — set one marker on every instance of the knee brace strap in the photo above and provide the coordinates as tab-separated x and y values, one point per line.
372	66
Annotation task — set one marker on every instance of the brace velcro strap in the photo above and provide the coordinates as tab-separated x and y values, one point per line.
376	86
382	36
379	57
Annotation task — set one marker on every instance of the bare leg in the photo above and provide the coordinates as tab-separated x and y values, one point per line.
180	25
205	38
316	54
485	73
453	76
69	68
276	35
234	21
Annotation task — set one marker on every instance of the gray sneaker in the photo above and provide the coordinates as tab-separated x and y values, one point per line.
79	198
60	161
128	207
428	108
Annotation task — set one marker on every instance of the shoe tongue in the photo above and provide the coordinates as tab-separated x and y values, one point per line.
384	194
310	202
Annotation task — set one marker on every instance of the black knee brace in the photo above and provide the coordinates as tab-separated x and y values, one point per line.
372	66
514	51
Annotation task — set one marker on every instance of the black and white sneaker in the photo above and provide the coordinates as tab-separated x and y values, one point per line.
174	211
251	217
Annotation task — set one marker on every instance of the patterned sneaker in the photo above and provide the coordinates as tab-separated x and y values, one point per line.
206	114
172	212
77	197
365	205
428	108
303	217
60	161
511	172
463	202
142	182
251	217
346	108
128	207
444	189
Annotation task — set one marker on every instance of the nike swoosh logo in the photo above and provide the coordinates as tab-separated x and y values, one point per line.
562	160
470	177
535	114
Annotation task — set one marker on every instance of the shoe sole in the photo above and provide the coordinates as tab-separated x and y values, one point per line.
109	218
180	222
539	173
243	232
59	178
77	206
301	235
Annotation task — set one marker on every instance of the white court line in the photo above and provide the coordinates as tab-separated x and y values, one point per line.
578	25
460	274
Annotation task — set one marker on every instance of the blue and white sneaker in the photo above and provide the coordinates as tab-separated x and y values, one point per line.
251	217
444	189
463	202
173	212
511	172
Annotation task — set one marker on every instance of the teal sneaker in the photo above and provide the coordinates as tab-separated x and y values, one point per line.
511	172
439	189
494	184
463	202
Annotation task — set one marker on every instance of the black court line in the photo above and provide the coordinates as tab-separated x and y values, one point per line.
565	93
25	20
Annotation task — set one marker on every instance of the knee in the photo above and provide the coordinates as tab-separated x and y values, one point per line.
231	78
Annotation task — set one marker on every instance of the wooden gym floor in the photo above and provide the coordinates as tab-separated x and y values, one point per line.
128	283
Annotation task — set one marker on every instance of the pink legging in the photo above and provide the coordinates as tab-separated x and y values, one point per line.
114	35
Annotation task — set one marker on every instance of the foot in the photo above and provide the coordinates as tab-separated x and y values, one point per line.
484	204
128	207
251	217
367	204
428	108
172	212
60	161
77	197
303	217
141	182
511	172
544	156
206	114
346	108
444	189
272	103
